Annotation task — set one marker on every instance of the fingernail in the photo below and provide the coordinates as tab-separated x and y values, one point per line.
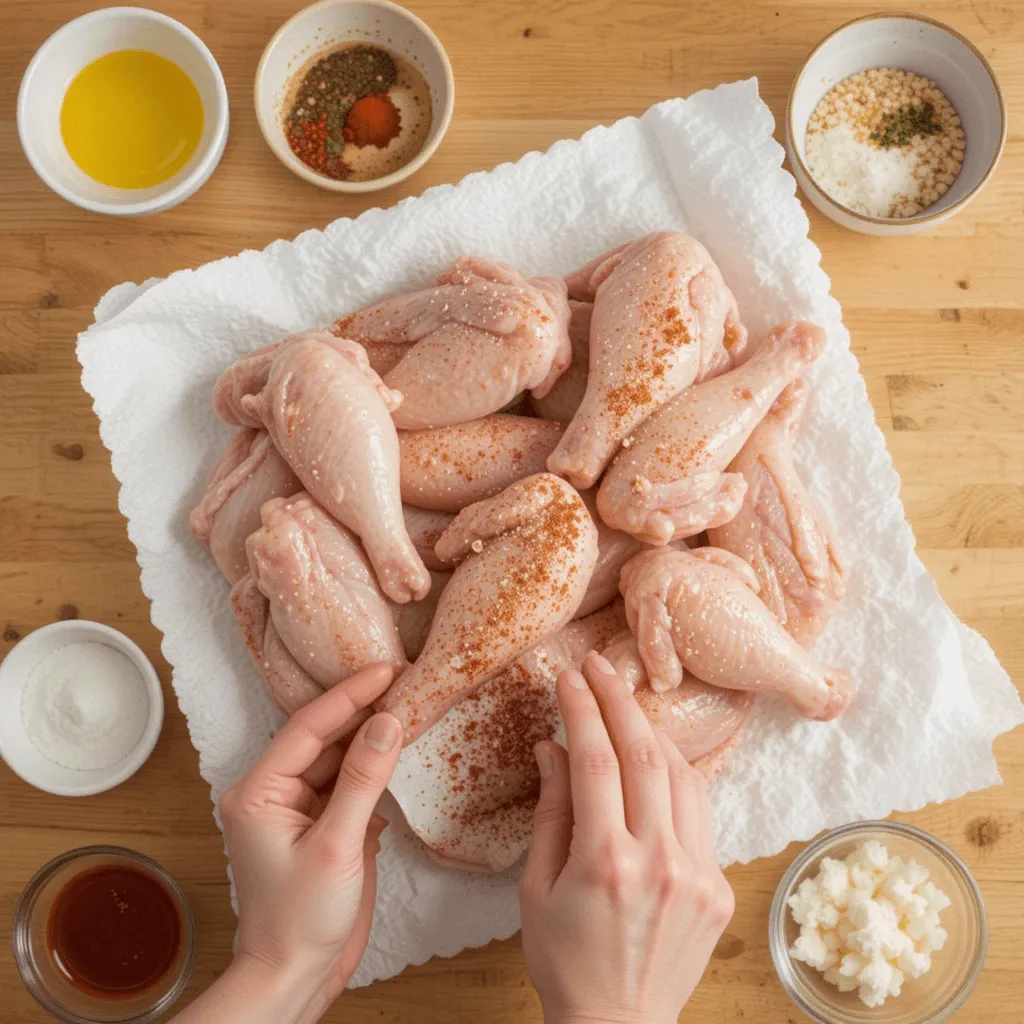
545	762
601	663
574	679
383	732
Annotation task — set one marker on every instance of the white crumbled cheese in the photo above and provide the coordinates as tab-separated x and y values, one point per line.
869	923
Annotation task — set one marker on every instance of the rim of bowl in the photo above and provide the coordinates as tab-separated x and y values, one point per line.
141	751
917	218
199	174
294	164
780	955
23	914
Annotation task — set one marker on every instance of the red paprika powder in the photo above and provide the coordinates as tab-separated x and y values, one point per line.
374	120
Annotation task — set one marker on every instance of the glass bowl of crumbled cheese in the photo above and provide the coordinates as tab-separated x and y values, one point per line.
878	921
80	708
894	123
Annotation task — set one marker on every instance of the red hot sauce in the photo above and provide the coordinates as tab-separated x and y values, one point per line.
114	931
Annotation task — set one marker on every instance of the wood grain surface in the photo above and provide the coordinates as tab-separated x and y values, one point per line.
937	323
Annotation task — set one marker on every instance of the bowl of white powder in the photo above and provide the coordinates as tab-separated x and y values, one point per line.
80	708
894	124
878	921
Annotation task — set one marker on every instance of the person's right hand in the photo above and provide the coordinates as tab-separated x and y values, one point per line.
622	897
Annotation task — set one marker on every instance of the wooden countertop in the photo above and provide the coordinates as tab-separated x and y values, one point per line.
937	324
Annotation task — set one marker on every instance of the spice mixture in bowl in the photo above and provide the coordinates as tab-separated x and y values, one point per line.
354	95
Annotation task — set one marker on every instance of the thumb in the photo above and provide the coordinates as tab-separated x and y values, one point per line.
364	775
552	819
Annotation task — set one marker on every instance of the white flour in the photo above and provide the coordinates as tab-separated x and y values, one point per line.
85	706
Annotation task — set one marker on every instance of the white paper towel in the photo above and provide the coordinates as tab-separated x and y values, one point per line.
932	694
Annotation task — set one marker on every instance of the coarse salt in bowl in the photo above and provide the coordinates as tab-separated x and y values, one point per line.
17	747
928	48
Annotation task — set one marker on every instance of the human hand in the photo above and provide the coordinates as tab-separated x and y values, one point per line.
304	865
622	897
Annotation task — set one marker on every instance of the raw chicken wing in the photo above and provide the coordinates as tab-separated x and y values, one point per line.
780	529
690	611
475	341
562	401
526	557
670	480
248	473
663	318
448	468
327	413
324	600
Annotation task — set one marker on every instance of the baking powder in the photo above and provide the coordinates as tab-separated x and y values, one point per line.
85	706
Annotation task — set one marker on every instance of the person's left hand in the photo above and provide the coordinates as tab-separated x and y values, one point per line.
305	865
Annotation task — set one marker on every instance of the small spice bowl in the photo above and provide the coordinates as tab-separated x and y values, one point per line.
930	999
313	33
65	54
18	750
47	980
910	42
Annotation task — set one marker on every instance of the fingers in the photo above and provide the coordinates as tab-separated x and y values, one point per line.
297	746
552	819
691	813
360	935
595	782
364	775
645	784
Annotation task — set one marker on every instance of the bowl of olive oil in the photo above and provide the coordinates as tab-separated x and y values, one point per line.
123	111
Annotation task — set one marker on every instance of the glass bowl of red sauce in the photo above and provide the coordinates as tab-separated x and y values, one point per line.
102	935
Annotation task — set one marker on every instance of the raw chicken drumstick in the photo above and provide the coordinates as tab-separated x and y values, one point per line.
671	480
690	611
324	599
526	559
477	339
248	473
425	528
562	401
780	530
327	413
449	468
663	318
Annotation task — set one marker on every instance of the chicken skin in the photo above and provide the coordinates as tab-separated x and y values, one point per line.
448	468
327	413
414	619
670	479
698	611
562	401
703	721
614	550
525	559
663	318
425	528
477	339
324	599
780	530
248	473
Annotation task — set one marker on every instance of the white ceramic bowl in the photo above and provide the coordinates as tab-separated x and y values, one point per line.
915	43
317	30
79	43
18	750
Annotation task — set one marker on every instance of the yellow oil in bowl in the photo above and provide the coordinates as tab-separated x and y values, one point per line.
131	119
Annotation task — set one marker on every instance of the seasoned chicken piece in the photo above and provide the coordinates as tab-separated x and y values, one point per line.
696	610
324	600
248	473
780	529
614	550
663	318
289	686
425	528
525	557
671	480
483	334
703	721
327	413
415	618
562	401
448	468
